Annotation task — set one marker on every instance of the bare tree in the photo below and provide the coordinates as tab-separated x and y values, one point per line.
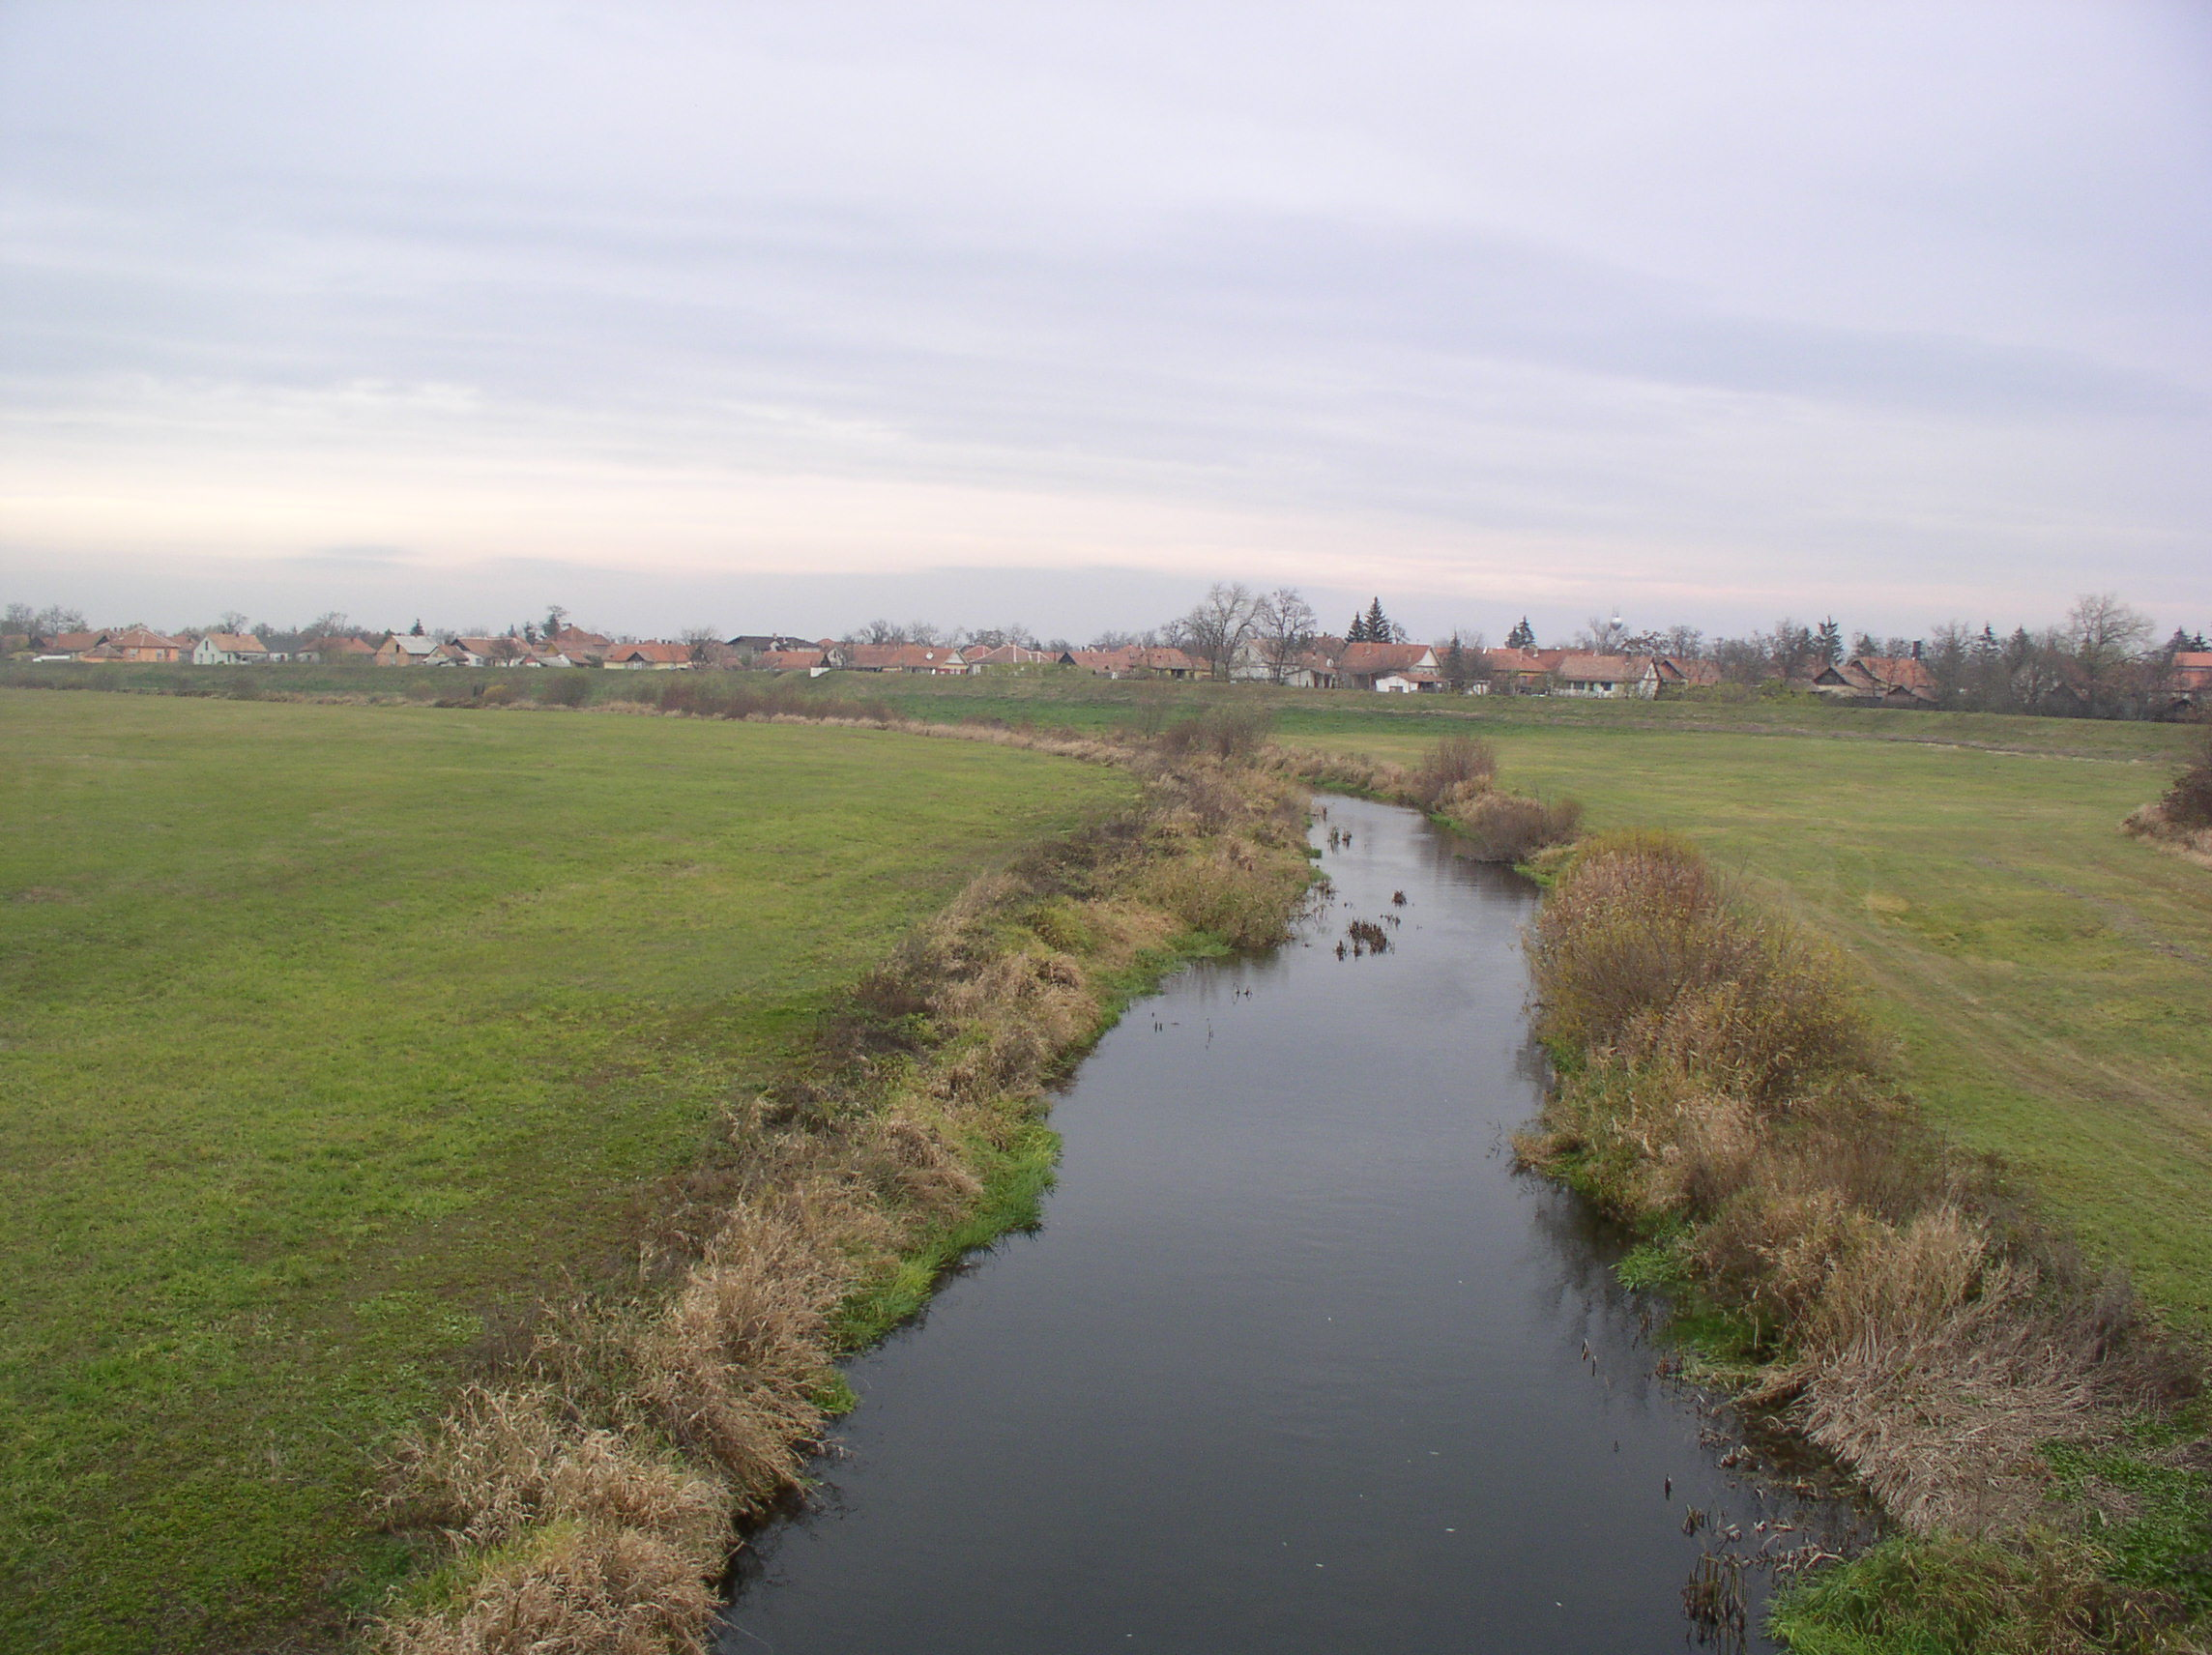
996	637
880	632
2102	632
1217	626
700	642
1284	624
1602	636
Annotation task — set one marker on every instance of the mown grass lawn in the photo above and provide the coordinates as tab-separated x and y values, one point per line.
331	1036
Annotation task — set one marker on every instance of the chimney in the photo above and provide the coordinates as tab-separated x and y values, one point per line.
1916	648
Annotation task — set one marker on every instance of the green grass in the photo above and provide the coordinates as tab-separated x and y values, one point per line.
331	1036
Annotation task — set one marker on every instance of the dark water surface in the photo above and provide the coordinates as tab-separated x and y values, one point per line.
1296	1362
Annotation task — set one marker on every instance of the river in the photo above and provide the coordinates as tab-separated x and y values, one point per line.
1297	1362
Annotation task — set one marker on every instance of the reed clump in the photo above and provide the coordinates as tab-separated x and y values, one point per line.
1721	1089
585	1491
2181	818
1456	783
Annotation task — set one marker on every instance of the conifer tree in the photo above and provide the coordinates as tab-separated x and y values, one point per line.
1378	623
1828	642
1523	636
1356	633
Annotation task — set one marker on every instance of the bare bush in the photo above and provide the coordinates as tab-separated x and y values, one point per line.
1455	770
1510	826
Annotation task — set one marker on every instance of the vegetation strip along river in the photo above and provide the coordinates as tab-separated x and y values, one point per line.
1297	1361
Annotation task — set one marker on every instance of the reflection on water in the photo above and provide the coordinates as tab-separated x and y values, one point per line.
1297	1361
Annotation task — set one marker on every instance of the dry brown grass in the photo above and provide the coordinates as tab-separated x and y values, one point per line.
1924	1328
2152	823
1454	772
577	1588
2181	820
588	1490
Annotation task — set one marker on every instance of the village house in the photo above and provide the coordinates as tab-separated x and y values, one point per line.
2192	676
648	658
66	645
929	659
1015	656
227	650
136	643
1522	672
1394	669
509	651
351	650
768	643
1879	680
1136	661
812	661
1313	667
583	648
1684	672
406	650
1605	677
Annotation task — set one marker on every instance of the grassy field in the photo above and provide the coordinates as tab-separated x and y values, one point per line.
330	1035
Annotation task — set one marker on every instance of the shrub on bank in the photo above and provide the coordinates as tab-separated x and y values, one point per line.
1721	1088
2181	820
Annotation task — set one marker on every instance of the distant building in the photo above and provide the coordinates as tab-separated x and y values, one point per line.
1394	669
1684	672
1137	661
136	644
335	649
227	650
406	650
935	659
648	658
1879	680
810	660
1015	656
1605	677
1522	672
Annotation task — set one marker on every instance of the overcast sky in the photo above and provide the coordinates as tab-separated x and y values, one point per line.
782	316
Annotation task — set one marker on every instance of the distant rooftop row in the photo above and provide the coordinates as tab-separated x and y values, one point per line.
1322	663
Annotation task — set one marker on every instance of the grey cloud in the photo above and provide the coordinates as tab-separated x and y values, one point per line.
845	268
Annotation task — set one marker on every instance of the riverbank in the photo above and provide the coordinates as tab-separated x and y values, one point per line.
584	1493
332	1038
2038	1438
